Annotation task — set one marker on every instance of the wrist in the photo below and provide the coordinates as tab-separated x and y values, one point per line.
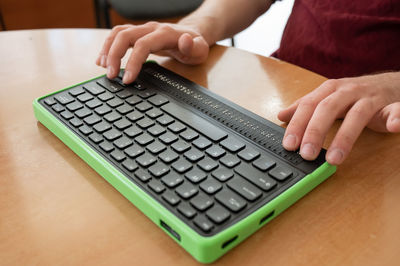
202	26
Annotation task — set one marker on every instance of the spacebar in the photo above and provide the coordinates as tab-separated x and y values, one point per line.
194	121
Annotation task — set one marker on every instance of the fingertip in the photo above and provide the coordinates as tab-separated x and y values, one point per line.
335	156
185	44
393	125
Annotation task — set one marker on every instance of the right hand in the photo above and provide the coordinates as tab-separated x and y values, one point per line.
181	42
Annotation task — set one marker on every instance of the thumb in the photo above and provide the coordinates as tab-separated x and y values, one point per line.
393	120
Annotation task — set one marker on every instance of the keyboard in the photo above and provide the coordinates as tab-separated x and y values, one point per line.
205	161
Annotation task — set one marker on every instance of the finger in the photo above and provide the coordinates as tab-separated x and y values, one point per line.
355	121
102	58
190	50
299	121
161	39
286	114
393	121
324	116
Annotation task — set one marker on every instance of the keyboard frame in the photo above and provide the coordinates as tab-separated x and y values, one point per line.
205	249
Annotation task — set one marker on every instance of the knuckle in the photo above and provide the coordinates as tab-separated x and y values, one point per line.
165	28
314	132
331	83
151	24
308	101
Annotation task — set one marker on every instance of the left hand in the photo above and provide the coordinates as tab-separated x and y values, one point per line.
368	101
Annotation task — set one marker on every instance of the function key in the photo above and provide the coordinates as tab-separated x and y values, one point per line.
58	108
280	173
94	88
264	163
76	91
218	214
258	178
231	200
232	144
203	223
50	101
64	98
248	154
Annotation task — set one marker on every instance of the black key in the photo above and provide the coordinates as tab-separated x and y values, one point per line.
168	156
165	120
110	85
171	198
94	88
124	109
186	210
168	138
156	130
142	175
144	106
102	127
85	130
195	175
67	115
124	93
92	119
112	134
154	113
58	108
74	106
133	131
112	117
244	188
118	155
158	100
201	202
134	151
195	121
203	223
258	178
96	138
102	110
280	172
210	186
232	144
133	100
182	165
134	116
64	98
215	151
106	146
144	139
248	154
172	179
194	155
186	190
159	169
156	147
218	214
123	142
84	112
230	160
76	122
105	96
122	124
207	164
146	160
50	101
180	146
189	135
76	91
115	102
264	163
230	200
85	97
156	186
145	123
176	127
222	174
138	86
146	94
202	143
93	103
130	165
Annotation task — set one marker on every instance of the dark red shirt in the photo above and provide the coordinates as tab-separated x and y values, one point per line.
343	38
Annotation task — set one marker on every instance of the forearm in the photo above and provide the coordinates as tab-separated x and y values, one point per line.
219	19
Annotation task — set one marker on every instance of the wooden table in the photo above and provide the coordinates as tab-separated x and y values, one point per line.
55	210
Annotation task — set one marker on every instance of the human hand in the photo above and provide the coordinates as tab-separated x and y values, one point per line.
181	42
369	101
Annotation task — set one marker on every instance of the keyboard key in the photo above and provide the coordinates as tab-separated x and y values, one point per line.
146	94
187	210
76	91
168	138
96	138
118	155
134	116
264	163
146	160
176	127
158	100
280	173
171	198
76	122
93	103
142	175
202	143
74	106
110	85
105	96
112	117
58	108
218	214
125	93
92	119
130	165
182	165
244	188
222	174
159	169
124	109
215	151
172	179
145	123
112	134
154	113
156	186
64	98
230	200
134	151
133	131
85	130
123	142
248	154
189	135
165	120
194	155
102	110
207	164
156	147
67	115
194	121
144	139
230	160
85	97
168	156
186	190
94	88
180	146
144	106
50	101
133	100
156	130
258	178
210	186
82	113
102	127
106	146
203	223
232	144
122	124
201	202
115	102
196	175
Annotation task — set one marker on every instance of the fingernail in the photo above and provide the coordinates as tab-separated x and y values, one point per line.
110	71
103	61
307	151
127	76
395	120
335	156
289	142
